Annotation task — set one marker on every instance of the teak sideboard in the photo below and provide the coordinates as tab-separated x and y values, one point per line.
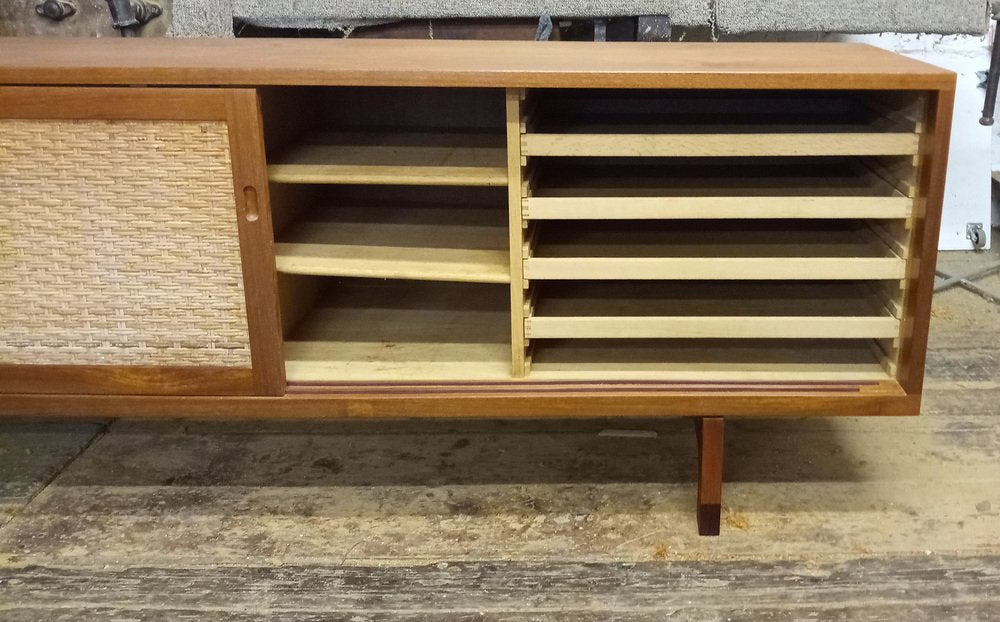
379	228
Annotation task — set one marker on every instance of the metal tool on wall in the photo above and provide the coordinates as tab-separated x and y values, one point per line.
127	16
993	77
130	15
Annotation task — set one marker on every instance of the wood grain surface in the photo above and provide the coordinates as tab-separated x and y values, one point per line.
375	62
942	588
478	401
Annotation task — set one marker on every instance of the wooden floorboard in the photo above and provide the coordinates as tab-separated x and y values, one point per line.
910	588
33	453
930	614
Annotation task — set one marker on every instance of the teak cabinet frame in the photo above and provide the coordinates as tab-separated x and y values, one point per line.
225	81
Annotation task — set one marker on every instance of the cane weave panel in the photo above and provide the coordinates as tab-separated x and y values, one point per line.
119	245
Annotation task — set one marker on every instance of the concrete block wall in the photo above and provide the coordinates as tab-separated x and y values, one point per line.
856	16
215	17
335	14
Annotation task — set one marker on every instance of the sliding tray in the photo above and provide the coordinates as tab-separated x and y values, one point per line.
758	250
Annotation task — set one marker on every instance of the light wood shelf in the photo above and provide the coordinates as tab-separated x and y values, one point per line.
731	250
592	140
707	360
555	109
712	125
429	158
399	241
402	331
821	188
740	310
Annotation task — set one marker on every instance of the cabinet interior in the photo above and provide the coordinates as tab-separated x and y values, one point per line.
441	235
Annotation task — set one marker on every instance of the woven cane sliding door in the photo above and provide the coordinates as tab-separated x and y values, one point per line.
135	245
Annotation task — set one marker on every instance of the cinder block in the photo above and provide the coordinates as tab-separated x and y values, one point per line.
855	16
332	13
198	18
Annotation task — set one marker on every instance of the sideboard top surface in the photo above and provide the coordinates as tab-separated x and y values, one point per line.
374	62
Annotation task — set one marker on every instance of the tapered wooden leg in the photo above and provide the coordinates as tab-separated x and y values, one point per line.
710	451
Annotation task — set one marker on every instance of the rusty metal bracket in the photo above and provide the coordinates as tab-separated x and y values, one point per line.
56	10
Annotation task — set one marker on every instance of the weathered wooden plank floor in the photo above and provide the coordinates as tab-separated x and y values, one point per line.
32	454
859	519
906	588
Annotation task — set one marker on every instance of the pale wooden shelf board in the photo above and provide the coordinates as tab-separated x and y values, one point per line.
698	360
466	244
729	327
383	157
319	362
721	144
839	251
715	207
644	268
721	125
709	310
403	331
714	190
